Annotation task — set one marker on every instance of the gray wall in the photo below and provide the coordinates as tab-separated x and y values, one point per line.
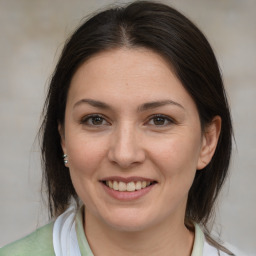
32	35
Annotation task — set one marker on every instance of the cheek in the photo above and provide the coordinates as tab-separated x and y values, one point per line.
85	155
177	156
85	160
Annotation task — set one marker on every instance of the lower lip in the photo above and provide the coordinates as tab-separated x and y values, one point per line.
127	196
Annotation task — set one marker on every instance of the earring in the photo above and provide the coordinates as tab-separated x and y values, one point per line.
65	159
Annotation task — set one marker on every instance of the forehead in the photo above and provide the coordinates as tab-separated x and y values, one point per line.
132	62
127	75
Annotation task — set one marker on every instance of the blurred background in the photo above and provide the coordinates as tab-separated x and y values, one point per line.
33	33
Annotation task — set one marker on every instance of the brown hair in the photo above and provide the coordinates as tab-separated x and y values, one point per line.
167	32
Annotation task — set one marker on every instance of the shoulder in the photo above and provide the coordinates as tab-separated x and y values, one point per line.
37	243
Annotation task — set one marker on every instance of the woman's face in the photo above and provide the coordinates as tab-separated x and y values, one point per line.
133	139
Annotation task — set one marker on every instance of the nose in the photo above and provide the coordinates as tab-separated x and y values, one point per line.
126	147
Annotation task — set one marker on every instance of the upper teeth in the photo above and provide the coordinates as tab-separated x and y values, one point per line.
130	186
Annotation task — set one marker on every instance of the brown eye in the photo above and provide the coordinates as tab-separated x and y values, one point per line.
160	120
94	120
97	120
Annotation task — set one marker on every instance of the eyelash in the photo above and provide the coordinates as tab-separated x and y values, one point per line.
163	117
86	119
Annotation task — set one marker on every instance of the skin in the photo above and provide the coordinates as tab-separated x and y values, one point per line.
128	140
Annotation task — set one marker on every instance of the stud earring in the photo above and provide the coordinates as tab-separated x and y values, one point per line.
65	159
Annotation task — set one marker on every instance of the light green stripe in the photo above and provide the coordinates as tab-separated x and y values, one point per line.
82	241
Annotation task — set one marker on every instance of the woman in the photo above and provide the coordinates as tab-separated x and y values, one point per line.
136	139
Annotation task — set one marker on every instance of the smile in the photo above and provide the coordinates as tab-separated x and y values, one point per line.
127	187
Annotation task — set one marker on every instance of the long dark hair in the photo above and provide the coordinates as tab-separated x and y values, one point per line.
167	32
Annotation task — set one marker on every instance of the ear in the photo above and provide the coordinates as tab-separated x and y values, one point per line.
209	142
62	141
62	137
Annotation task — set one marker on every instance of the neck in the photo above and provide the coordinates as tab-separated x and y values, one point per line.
170	238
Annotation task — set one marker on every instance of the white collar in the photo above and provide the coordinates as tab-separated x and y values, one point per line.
65	241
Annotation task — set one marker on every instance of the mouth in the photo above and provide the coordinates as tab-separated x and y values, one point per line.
130	186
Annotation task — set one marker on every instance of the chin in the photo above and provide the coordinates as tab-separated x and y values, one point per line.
129	222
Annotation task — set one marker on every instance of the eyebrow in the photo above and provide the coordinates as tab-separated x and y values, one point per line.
143	107
156	104
94	103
